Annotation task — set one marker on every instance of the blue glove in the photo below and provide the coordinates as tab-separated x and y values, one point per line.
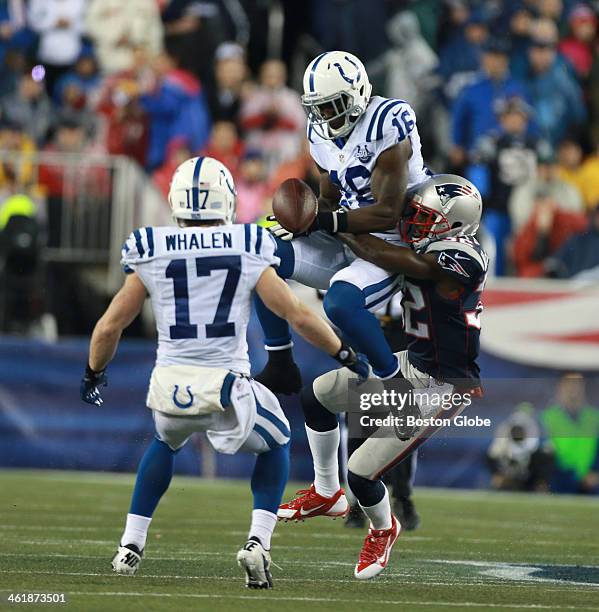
356	362
90	386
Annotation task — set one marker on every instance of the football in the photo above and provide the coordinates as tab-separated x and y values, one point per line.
295	205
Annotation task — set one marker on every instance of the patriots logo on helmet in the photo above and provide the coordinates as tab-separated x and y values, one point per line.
447	191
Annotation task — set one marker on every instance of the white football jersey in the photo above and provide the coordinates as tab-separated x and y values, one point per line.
350	162
200	281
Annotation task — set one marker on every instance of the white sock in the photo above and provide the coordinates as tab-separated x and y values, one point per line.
263	524
379	514
136	530
324	446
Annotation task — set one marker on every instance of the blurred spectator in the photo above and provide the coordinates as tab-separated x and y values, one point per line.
226	146
555	94
579	256
503	160
82	81
230	73
272	115
522	201
547	229
177	154
11	69
176	107
127	129
70	137
408	66
60	25
573	428
81	179
30	107
578	46
517	457
252	189
118	28
473	114
460	57
13	31
582	174
193	29
16	157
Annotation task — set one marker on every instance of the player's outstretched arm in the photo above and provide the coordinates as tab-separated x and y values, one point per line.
393	258
125	306
277	296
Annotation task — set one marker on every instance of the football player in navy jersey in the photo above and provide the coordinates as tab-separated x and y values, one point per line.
445	272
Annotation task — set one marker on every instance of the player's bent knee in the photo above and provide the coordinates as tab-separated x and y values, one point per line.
362	464
341	300
331	389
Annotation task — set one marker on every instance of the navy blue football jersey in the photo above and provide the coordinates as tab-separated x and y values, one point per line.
443	333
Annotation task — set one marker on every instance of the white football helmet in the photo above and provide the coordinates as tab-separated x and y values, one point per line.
202	189
336	80
444	206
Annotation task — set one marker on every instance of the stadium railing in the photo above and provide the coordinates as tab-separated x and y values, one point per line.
88	202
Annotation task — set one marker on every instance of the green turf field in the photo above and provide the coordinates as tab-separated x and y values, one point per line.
475	551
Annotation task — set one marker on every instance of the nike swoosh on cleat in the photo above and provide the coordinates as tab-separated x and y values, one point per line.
302	513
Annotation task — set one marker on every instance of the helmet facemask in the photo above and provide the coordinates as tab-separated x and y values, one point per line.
421	224
323	112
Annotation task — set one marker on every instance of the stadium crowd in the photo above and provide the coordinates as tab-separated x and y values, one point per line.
506	93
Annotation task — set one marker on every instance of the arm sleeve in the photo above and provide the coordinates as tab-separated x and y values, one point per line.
395	123
261	248
138	248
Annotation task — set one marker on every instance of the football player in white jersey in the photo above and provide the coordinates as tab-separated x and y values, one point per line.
367	149
200	275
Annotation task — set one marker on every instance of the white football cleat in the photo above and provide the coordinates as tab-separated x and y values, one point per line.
376	549
256	563
127	559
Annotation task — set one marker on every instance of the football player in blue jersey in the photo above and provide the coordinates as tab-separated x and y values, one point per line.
445	272
367	149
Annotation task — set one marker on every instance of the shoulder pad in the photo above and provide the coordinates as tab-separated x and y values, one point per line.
138	247
391	117
463	258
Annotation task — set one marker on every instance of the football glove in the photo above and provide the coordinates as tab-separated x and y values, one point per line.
356	362
281	374
91	384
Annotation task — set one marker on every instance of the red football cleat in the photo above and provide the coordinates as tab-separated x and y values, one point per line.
375	552
309	503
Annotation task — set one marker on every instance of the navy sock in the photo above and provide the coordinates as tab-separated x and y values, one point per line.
154	475
270	478
276	330
345	306
317	417
368	492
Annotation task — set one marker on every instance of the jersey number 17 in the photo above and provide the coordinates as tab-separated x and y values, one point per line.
220	326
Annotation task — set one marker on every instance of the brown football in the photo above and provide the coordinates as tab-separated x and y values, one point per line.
294	205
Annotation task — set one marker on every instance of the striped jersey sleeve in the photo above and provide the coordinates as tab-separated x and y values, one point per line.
138	247
261	248
392	121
